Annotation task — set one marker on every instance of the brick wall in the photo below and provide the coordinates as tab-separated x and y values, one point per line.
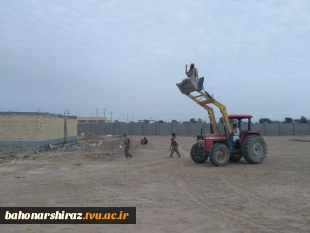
35	129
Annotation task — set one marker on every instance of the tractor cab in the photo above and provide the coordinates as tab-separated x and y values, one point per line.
238	120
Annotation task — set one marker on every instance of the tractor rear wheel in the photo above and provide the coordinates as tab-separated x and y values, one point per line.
219	155
254	149
235	158
198	155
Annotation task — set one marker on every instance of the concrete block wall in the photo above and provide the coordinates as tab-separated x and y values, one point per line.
36	129
188	129
18	128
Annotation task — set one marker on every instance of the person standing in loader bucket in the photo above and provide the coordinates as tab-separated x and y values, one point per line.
174	146
127	146
192	74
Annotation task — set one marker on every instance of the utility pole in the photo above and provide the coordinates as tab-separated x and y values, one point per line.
111	115
104	112
127	118
97	112
67	112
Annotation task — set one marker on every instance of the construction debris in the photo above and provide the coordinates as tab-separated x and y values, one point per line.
91	136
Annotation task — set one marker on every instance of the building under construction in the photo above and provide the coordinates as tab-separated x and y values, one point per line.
36	129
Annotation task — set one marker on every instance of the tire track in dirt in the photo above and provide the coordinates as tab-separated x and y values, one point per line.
140	165
246	193
254	223
150	167
183	190
265	201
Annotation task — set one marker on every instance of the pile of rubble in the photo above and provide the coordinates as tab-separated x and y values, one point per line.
91	136
33	152
72	146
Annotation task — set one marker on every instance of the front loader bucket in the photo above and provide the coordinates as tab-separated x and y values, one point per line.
191	86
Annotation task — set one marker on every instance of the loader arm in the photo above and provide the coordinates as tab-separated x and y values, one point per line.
207	99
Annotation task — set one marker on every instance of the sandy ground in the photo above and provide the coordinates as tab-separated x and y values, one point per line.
171	194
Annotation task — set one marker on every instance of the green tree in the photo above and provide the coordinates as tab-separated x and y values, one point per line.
303	120
199	120
161	121
192	120
288	120
264	120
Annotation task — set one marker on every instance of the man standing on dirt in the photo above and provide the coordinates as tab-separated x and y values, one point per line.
174	146
127	146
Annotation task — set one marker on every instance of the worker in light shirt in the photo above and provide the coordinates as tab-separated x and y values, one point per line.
236	132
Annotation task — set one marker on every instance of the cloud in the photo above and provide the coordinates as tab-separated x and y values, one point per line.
105	50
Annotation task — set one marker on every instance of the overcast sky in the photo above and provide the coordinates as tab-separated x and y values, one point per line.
127	55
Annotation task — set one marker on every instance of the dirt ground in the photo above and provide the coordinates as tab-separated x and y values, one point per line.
172	195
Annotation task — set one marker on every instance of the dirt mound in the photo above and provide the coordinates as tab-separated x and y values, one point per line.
91	136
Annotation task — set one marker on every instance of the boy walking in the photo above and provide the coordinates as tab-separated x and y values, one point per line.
174	146
127	146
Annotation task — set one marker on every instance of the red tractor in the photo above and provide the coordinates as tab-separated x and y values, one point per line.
222	147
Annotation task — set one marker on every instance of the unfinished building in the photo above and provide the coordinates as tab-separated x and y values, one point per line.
36	129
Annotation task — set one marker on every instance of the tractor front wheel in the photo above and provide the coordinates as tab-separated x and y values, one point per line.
198	155
219	155
254	149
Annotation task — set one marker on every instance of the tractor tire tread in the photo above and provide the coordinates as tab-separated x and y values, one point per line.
195	158
213	158
247	149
